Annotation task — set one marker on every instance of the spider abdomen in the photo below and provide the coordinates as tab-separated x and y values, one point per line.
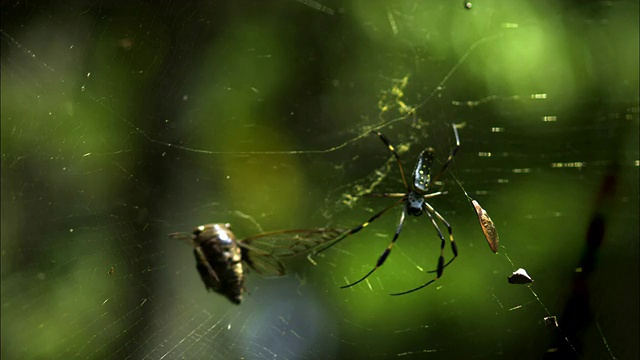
422	171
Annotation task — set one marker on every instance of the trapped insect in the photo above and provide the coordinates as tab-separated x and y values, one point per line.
415	203
486	224
220	257
488	229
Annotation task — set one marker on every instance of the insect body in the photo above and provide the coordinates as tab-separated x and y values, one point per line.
488	229
486	224
220	257
415	203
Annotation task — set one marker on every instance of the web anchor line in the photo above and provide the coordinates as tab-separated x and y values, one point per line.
365	133
529	285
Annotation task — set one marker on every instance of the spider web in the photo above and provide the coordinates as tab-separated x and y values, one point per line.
122	123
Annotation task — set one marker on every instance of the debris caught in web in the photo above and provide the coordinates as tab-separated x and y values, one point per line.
520	277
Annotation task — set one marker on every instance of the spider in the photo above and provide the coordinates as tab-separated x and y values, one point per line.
415	203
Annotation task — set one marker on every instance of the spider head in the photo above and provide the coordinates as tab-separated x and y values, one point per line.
422	172
415	202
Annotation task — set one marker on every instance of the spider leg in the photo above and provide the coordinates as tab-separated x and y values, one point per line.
454	247
387	195
440	259
360	227
433	194
449	159
386	253
393	151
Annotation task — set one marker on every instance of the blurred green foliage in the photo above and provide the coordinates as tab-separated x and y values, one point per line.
118	121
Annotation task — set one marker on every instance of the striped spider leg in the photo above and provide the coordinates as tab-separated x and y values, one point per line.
414	201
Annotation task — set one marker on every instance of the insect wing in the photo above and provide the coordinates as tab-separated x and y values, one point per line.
487	226
288	243
263	251
262	262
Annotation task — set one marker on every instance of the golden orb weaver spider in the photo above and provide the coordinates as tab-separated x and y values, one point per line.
415	203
